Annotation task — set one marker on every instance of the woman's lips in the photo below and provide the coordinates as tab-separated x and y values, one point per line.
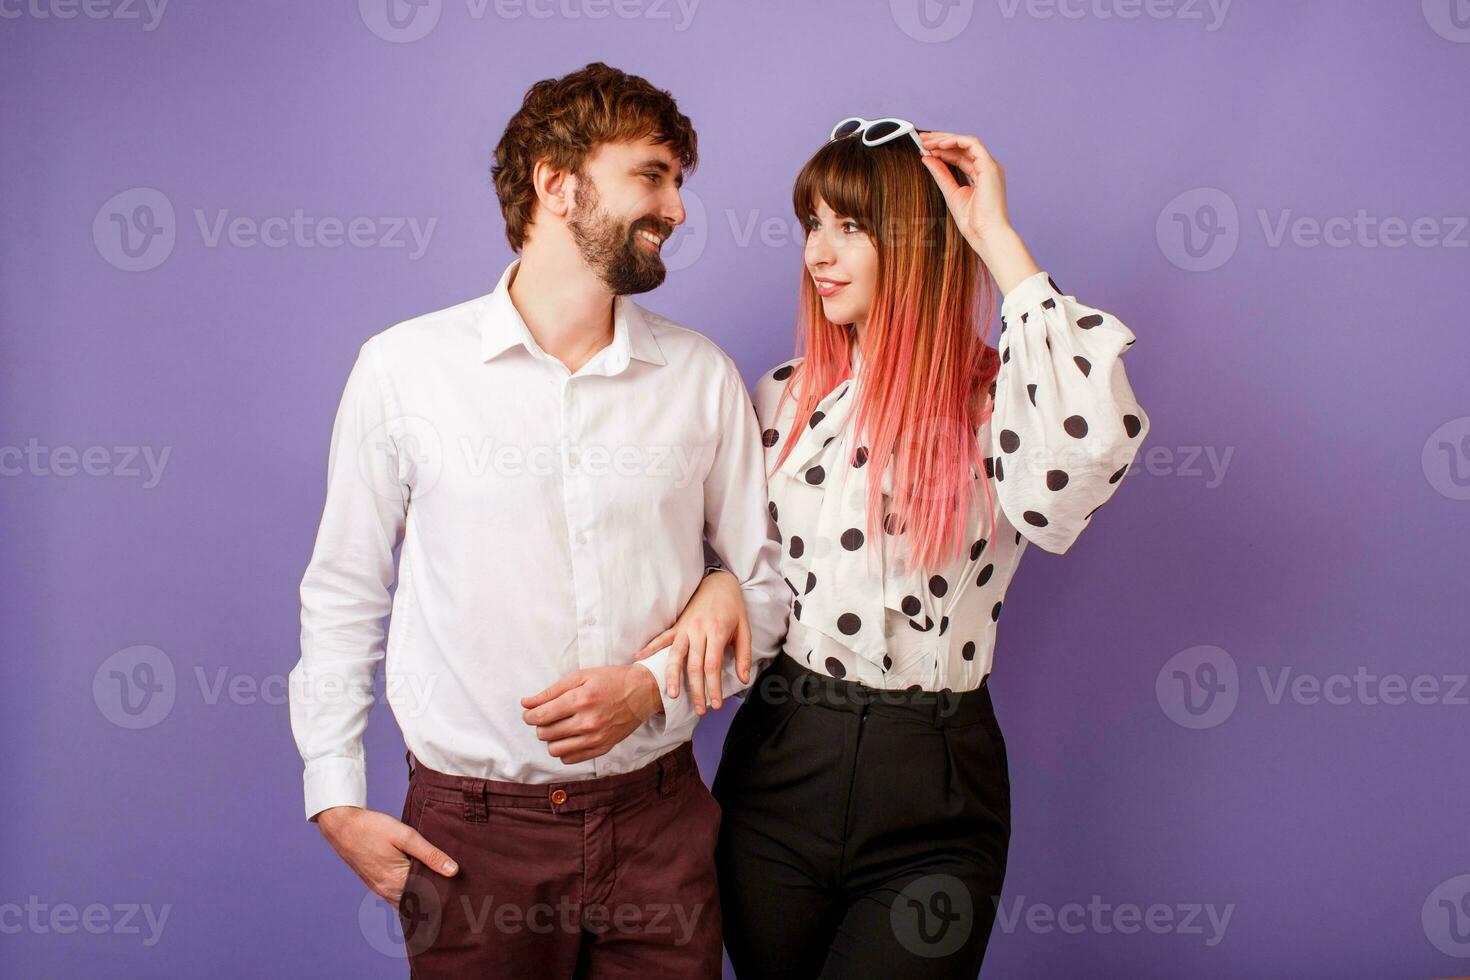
828	289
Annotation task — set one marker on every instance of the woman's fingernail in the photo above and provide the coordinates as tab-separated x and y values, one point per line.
449	867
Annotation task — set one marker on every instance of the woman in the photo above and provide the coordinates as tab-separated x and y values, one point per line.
864	780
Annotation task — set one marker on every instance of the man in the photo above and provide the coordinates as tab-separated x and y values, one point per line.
551	458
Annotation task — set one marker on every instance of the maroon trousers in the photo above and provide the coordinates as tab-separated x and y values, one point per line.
605	877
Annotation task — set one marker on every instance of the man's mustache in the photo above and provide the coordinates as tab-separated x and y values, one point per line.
660	228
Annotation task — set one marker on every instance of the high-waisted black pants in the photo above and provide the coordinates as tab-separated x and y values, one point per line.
864	832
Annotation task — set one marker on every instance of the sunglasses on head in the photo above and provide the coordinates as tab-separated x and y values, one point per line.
876	132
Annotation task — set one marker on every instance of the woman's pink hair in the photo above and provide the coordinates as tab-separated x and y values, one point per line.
925	365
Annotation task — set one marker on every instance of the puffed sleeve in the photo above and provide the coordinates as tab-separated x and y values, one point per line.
1065	425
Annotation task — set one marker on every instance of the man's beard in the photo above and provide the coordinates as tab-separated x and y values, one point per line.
611	247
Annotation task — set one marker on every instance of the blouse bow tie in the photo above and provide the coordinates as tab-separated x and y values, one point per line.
846	592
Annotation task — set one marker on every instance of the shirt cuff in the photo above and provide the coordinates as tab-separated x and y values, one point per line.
678	711
1027	295
334	781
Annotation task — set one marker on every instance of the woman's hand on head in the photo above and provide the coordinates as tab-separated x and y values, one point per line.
979	208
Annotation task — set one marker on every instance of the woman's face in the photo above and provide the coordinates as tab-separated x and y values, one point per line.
843	263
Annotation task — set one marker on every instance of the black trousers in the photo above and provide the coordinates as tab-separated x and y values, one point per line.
864	831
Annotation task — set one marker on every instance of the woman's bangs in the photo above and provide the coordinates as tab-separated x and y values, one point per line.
840	175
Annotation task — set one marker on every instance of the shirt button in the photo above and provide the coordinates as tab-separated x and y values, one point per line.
581	537
591	620
558	796
573	458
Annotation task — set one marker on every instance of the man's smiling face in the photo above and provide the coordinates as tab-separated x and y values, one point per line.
626	205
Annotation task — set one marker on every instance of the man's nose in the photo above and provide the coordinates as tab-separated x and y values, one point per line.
673	210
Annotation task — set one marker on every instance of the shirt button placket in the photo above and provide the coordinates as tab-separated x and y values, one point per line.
579	521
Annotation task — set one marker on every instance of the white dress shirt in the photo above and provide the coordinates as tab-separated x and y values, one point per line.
548	521
1064	429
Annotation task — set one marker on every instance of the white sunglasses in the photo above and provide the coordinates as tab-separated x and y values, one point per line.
876	132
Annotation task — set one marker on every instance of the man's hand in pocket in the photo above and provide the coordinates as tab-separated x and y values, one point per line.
378	847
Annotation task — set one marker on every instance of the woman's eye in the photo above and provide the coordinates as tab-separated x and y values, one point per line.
653	177
812	223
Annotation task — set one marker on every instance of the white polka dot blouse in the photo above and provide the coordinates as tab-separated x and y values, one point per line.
1064	429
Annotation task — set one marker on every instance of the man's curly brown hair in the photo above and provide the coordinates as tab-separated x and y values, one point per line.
564	120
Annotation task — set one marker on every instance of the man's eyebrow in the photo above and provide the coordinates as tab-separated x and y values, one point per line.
662	167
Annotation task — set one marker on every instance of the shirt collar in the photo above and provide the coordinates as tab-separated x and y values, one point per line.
502	328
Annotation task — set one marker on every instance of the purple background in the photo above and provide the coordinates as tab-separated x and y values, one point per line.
1333	375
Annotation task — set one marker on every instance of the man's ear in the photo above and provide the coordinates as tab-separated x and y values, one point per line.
554	187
